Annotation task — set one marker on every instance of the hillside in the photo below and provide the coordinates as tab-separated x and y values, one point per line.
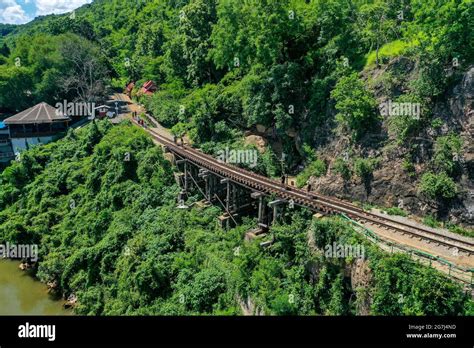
307	79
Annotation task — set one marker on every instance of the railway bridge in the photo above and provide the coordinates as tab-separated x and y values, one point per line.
237	190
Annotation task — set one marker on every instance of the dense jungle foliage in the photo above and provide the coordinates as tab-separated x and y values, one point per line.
101	203
224	67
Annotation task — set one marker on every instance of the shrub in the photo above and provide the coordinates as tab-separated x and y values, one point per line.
438	186
446	149
341	167
316	168
367	206
459	230
396	211
165	104
408	167
355	105
430	220
403	287
437	123
407	125
179	129
363	167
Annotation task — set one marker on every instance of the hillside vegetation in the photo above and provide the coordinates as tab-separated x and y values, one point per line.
308	76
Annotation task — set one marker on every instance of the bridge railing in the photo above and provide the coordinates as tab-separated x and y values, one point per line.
462	274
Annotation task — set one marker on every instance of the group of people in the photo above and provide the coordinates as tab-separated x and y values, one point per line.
139	120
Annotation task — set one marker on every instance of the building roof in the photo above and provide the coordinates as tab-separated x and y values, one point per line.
148	84
40	113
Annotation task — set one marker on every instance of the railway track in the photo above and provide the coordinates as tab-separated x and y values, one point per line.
313	201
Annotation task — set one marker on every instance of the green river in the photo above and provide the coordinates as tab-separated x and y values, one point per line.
21	294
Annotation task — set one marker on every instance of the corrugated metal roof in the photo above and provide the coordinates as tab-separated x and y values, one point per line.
41	113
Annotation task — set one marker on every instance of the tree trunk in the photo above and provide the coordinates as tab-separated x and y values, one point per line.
377	55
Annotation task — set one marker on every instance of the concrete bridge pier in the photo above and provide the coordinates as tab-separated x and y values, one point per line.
261	208
227	200
185	173
204	174
234	205
181	199
227	193
185	176
274	204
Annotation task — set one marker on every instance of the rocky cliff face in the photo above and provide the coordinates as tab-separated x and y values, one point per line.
390	185
458	111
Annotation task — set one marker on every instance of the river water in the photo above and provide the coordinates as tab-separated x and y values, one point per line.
21	294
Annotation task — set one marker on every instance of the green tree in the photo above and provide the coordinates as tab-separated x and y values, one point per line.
337	304
196	21
355	105
342	168
447	153
377	24
15	84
